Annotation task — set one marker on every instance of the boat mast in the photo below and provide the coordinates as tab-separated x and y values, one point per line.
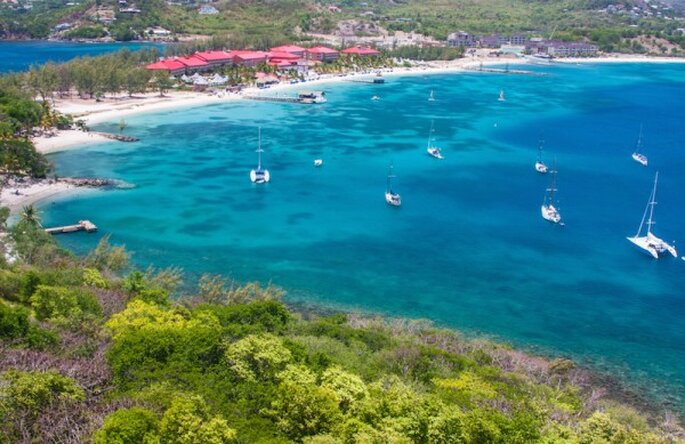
639	141
259	148
652	203
430	134
390	176
553	186
540	144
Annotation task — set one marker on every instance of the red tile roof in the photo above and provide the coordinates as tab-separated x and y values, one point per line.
321	50
248	55
359	50
192	61
288	48
283	55
167	65
213	56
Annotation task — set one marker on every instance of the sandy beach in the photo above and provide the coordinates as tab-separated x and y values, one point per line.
20	195
64	139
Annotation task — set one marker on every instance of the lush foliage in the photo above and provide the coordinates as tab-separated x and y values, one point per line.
232	364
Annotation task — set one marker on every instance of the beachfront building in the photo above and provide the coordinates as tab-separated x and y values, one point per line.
248	58
292	49
558	48
461	39
172	66
194	64
322	54
215	59
361	51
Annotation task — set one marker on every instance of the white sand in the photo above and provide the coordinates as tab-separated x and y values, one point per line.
113	109
32	193
65	139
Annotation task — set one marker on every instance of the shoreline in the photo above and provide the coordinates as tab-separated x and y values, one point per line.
524	358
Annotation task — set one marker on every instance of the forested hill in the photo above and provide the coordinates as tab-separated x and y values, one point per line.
265	22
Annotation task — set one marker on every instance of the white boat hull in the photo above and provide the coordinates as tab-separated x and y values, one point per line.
393	199
652	245
640	158
549	213
541	168
318	162
260	176
435	152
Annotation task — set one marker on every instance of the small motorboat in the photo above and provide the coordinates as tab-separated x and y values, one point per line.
318	162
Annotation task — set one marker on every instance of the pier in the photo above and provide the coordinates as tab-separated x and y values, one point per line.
375	81
520	72
82	225
307	97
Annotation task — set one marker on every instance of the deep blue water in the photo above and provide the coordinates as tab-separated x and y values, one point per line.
20	55
468	248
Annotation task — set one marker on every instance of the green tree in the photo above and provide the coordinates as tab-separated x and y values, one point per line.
188	421
257	357
162	82
129	426
301	410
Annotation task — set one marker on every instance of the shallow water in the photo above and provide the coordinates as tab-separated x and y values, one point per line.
468	247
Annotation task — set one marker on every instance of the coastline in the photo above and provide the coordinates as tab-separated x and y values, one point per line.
34	193
120	107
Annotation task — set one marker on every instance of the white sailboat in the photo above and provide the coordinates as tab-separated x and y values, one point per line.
391	197
649	243
431	97
540	166
259	175
548	210
501	97
637	155
432	149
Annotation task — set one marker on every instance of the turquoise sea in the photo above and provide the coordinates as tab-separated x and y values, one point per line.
468	248
20	55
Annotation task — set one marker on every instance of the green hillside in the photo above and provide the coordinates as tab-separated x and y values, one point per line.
260	23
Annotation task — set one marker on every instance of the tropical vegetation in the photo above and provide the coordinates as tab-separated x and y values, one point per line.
94	350
265	23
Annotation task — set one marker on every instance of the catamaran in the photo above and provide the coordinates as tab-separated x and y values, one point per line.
637	155
431	97
259	175
548	210
540	166
432	149
391	197
501	96
649	243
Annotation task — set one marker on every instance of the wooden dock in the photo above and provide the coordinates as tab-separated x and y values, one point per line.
82	225
519	72
281	99
374	81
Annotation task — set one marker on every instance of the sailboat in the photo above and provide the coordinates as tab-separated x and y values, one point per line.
540	166
548	210
637	155
501	96
259	175
649	243
433	150
431	97
391	197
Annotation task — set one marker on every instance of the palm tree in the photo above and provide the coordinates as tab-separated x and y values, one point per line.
30	215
